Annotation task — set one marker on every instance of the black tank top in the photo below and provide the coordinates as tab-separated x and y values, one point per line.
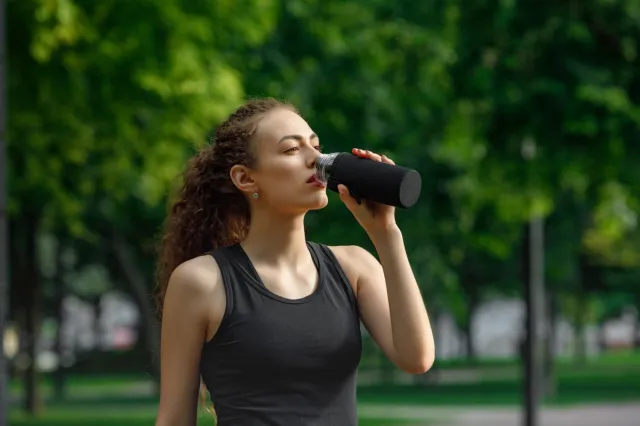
282	362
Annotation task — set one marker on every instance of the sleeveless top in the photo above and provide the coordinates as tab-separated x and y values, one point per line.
283	362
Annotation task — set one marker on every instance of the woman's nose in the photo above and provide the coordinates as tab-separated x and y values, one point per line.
313	157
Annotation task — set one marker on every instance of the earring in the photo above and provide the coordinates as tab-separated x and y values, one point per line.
255	195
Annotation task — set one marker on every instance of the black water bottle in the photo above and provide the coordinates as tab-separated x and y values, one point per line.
370	180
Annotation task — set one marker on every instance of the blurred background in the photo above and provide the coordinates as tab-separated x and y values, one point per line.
523	117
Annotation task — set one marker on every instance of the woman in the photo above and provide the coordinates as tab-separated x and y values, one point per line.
268	320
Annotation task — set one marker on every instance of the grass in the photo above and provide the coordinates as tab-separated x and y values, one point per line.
139	417
616	371
617	388
138	421
621	358
610	378
122	400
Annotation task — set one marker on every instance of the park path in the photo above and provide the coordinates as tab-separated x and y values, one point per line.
583	415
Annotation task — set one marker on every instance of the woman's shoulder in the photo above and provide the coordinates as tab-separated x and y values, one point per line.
197	277
352	254
196	295
354	260
348	251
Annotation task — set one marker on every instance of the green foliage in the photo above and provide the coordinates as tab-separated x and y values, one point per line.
108	98
509	110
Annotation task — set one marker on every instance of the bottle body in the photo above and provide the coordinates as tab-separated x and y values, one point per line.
372	180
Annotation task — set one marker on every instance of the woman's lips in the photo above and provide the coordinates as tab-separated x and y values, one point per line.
313	180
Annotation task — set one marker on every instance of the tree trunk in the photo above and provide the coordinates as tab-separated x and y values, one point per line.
589	280
468	331
470	284
97	325
602	336
580	345
636	336
4	286
549	361
59	289
138	284
33	308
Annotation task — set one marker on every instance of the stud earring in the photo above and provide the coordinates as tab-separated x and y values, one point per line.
255	195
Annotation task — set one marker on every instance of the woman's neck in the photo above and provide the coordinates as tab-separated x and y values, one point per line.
276	239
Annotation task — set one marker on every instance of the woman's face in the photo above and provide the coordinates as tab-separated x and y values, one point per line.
286	150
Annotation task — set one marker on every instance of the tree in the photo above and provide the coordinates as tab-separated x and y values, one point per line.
365	74
560	77
107	99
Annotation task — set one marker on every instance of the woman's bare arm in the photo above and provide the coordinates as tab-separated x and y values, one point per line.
193	308
390	303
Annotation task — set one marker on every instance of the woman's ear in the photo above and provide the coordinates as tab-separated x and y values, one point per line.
241	177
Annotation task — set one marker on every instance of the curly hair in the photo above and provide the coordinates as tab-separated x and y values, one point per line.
210	212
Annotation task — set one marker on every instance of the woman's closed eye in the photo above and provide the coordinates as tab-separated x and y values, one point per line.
294	149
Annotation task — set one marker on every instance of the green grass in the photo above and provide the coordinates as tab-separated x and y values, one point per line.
621	358
610	378
602	366
140	417
582	391
113	400
139	421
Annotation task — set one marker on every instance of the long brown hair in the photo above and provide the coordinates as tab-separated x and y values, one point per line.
210	212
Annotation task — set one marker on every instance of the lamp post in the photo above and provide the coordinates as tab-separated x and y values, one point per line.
534	299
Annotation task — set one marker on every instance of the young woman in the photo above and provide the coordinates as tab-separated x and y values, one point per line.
268	320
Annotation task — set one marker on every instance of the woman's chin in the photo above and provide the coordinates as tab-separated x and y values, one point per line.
304	204
320	204
318	201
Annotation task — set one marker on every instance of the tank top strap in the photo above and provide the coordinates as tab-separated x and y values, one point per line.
224	257
326	256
